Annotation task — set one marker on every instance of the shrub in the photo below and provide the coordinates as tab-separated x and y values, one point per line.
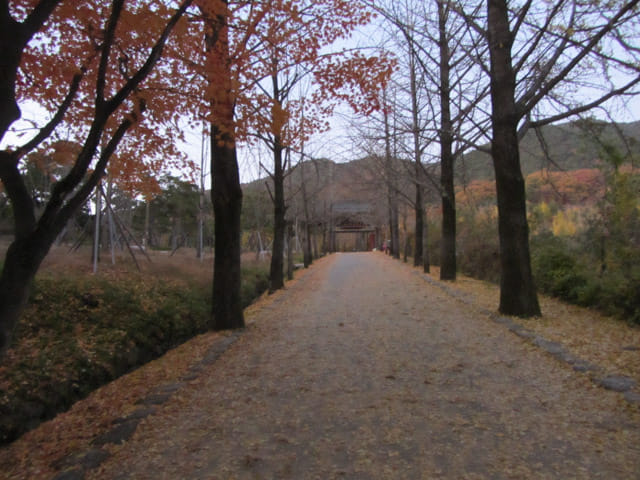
557	273
478	251
80	332
481	261
620	295
477	245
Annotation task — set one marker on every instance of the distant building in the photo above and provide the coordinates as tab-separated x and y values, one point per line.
352	228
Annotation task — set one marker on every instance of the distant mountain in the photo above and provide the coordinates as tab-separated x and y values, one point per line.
571	146
329	185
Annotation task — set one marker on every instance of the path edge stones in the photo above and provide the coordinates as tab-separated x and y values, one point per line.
597	374
76	466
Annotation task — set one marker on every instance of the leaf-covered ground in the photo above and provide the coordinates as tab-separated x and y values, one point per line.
362	369
605	341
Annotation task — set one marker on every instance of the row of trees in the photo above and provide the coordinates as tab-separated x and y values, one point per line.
480	75
119	78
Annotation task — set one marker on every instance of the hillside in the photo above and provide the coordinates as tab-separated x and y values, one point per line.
328	183
574	147
571	146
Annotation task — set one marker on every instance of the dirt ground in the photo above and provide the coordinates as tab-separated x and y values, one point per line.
361	369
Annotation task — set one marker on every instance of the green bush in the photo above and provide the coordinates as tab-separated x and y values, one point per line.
620	295
588	295
479	257
561	271
557	273
478	247
255	281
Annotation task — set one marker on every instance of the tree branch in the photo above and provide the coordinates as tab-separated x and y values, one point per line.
107	43
102	113
152	59
38	16
529	99
85	190
586	107
48	129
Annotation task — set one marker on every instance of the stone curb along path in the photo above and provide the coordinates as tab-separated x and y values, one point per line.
617	383
77	466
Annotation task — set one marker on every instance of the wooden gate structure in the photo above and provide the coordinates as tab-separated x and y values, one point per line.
351	229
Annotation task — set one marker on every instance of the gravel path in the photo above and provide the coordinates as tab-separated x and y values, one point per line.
362	370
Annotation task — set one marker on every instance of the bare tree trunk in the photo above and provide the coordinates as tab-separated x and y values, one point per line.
26	252
314	243
426	263
201	200
517	292
417	158
200	249
306	246
276	275
448	241
325	243
146	239
22	261
97	230
226	192
407	248
226	195
392	195
290	236
395	230
419	209
112	232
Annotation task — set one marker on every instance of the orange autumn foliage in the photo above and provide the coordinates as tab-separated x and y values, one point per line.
566	188
70	45
297	39
288	38
185	82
